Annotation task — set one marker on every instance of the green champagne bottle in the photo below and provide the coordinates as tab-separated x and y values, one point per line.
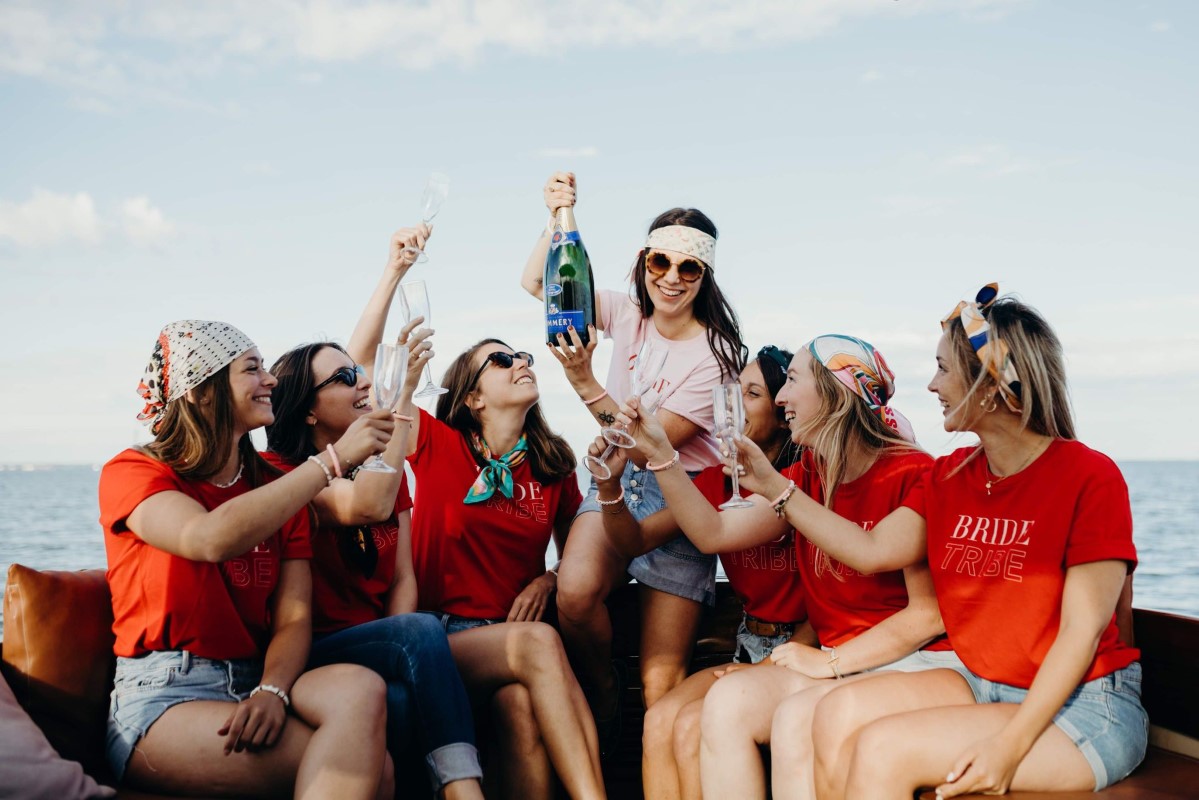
569	284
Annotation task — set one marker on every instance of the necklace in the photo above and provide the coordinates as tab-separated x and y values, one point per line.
994	479
240	466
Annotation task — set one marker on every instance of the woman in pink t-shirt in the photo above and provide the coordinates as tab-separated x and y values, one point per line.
1028	536
673	300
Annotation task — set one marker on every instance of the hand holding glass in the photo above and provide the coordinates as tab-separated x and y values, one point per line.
437	189
646	369
391	365
729	413
414	299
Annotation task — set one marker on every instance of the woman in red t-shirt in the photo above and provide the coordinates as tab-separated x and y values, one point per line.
363	587
208	570
493	484
1029	539
861	459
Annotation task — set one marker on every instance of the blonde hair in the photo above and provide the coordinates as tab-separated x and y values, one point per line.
1036	353
845	424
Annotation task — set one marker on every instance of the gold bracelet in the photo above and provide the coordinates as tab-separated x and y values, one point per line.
832	662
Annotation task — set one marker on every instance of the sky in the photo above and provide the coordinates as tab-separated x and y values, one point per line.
868	163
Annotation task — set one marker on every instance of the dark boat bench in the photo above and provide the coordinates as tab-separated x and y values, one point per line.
57	657
1170	659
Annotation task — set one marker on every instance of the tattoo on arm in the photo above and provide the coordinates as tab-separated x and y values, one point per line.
606	417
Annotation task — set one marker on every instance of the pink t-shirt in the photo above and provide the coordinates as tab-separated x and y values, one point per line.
687	378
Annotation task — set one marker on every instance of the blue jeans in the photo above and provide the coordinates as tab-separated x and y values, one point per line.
426	700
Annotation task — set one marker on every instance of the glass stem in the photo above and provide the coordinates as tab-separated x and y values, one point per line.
736	483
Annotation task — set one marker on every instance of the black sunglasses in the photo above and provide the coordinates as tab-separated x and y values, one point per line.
345	375
501	359
658	264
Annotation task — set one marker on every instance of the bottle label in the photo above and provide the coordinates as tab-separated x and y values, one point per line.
553	289
558	321
564	237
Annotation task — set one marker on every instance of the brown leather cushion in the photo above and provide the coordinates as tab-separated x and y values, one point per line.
58	658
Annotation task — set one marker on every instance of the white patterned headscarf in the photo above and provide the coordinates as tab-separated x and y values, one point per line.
685	241
186	354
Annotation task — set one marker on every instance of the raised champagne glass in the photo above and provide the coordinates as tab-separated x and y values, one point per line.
391	365
437	189
414	299
729	413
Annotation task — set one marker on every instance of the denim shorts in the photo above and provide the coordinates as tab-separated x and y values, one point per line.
1104	718
676	567
454	623
754	647
146	687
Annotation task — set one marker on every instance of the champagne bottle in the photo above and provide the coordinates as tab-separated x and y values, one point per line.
569	284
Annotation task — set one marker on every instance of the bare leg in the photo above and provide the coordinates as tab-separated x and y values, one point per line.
669	625
686	749
524	765
841	715
334	746
736	720
791	754
901	753
659	770
591	567
530	653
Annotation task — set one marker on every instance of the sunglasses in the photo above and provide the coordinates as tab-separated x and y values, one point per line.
502	359
658	264
347	376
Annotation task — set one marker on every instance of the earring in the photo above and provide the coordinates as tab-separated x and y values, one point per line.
988	408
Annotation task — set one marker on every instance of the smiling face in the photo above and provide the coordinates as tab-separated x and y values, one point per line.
496	385
761	420
953	390
669	293
800	398
250	387
335	405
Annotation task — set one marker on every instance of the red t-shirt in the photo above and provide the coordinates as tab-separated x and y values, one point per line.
765	577
162	601
473	560
342	596
999	561
842	602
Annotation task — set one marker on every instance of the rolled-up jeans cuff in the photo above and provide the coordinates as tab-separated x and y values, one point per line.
453	762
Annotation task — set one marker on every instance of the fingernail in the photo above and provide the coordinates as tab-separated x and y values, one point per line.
950	778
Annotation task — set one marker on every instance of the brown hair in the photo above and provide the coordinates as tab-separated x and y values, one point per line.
549	455
711	307
290	435
194	437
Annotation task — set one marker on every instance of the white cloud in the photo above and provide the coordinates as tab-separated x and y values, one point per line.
1159	26
144	224
870	76
48	218
568	152
914	205
146	50
992	160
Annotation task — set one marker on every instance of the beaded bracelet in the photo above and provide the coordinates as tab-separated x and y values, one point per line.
336	462
780	502
667	465
275	690
614	501
324	469
595	399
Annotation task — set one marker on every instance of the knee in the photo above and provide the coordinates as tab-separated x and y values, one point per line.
687	732
722	708
539	649
361	695
658	726
580	593
658	680
832	724
878	755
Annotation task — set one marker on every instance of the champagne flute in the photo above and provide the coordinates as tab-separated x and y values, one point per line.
437	189
391	365
729	422
646	369
414	299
